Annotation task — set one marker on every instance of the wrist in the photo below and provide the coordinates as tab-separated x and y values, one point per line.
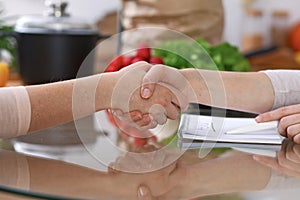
197	91
104	90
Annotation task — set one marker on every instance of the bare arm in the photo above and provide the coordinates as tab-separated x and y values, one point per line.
51	104
235	173
56	103
249	91
242	91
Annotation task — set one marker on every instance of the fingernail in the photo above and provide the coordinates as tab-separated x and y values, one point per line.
142	191
117	113
136	117
147	118
258	118
146	93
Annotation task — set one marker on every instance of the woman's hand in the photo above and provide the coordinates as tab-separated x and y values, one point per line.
158	172
165	101
287	160
157	77
289	121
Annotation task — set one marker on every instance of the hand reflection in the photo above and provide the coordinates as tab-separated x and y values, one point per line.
157	171
287	160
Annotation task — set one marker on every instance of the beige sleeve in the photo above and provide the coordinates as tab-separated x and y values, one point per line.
281	181
286	85
15	111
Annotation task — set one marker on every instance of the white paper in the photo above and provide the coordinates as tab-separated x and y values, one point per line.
211	128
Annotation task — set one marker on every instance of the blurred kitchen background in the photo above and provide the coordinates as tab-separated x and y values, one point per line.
96	10
250	25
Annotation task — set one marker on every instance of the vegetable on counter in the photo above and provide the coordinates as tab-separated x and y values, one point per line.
143	53
4	74
225	56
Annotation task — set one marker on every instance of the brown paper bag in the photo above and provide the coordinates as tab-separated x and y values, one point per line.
195	18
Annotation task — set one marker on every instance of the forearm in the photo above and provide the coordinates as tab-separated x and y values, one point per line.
64	179
250	91
54	103
220	176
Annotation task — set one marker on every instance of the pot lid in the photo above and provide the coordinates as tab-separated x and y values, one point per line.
56	21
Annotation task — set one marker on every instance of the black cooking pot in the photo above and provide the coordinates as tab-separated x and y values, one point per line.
53	47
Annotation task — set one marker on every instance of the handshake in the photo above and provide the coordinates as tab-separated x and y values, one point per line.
146	95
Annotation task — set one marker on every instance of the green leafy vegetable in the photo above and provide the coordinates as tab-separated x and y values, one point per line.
8	43
200	54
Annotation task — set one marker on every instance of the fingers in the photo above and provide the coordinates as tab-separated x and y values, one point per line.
136	115
289	121
291	154
145	121
140	65
289	126
152	77
164	74
287	164
268	161
278	113
173	111
287	161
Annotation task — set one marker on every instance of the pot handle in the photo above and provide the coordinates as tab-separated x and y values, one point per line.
9	34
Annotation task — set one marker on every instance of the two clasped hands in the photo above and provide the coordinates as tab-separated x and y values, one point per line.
147	95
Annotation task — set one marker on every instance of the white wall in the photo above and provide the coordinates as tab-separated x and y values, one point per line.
234	16
94	9
87	9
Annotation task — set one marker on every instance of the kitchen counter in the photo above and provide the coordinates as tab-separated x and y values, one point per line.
282	58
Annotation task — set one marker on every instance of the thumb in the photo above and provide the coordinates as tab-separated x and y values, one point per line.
147	88
155	75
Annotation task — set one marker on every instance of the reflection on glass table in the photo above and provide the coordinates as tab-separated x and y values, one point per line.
104	170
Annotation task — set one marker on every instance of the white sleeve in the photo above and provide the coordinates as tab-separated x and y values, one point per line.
286	85
15	111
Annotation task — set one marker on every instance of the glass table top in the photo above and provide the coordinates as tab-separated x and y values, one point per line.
90	161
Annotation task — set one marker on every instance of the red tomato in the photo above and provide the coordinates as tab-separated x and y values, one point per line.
127	60
156	60
143	52
137	59
115	64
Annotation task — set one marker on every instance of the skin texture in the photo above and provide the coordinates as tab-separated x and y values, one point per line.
242	91
236	172
51	104
289	121
287	160
202	85
27	172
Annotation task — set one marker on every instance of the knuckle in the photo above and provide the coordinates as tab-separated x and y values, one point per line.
164	102
290	131
283	111
284	122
